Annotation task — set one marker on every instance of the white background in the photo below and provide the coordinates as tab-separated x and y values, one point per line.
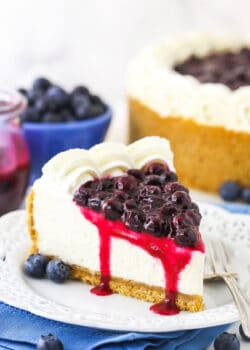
92	41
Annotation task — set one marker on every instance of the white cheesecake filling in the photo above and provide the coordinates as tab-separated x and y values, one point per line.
154	83
65	233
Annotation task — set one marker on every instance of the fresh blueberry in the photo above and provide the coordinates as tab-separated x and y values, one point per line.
112	209
80	90
96	100
230	190
243	335
95	110
245	195
41	85
30	114
186	237
35	265
130	204
168	209
82	195
81	106
57	271
66	115
149	190
32	97
171	177
49	342
105	184
51	117
175	186
155	224
138	174
56	97
226	341
41	105
95	201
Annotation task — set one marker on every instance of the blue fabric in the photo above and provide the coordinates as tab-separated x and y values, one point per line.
20	330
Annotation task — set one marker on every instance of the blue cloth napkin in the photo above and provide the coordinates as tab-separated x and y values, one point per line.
20	330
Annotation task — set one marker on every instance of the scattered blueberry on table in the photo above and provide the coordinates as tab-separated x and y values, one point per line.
50	103
232	191
226	341
49	342
57	271
35	265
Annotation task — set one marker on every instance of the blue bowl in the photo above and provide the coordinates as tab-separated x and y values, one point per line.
47	139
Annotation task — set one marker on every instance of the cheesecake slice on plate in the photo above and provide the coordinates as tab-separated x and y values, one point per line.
119	218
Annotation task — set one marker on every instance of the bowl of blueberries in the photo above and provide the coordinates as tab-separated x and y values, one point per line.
56	120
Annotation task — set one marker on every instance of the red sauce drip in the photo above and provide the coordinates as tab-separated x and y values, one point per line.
173	257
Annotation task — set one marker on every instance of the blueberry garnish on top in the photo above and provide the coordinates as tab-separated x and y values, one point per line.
148	200
50	103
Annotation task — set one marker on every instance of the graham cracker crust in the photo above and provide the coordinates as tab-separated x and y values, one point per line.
204	156
191	303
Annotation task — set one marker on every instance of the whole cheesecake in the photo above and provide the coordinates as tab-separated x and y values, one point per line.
195	90
118	217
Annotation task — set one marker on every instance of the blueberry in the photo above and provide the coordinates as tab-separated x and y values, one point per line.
32	97
168	209
175	186
243	335
134	219
41	105
57	271
130	204
49	342
96	200
245	195
112	208
181	200
51	117
230	190
186	237
105	184
41	85
82	195
149	190
126	183
66	115
138	174
155	224
81	106
96	100
30	114
152	202
57	98
122	196
156	169
154	180
226	341
96	110
80	90
171	177
35	265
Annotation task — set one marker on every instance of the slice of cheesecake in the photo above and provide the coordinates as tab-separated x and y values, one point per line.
118	217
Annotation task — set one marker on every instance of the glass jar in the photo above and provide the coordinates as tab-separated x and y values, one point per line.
14	155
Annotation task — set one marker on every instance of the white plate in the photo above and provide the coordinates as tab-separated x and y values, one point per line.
72	302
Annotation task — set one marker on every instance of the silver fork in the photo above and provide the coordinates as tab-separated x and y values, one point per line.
219	264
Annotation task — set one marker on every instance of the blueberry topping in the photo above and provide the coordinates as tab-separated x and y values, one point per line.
156	169
80	90
186	237
154	180
41	105
49	342
126	183
52	117
57	271
134	219
243	335
226	341
95	110
149	200
245	195
230	190
181	199
35	265
112	209
41	85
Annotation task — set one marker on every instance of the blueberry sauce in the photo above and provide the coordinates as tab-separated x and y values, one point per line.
146	216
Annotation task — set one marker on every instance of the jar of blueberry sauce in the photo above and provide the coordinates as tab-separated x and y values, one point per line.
14	155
